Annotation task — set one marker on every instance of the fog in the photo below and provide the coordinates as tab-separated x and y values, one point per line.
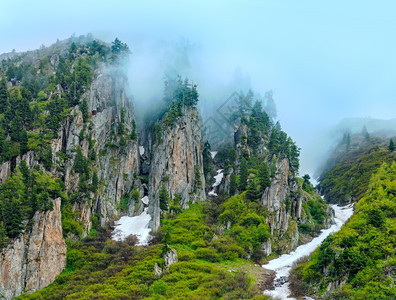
323	60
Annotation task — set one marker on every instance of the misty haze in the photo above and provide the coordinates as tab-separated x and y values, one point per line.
197	150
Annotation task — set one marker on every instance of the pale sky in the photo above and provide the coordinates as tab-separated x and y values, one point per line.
324	60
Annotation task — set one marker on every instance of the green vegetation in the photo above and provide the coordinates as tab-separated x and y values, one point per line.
100	268
243	175
363	252
314	209
349	178
178	94
163	198
22	194
263	176
391	146
207	159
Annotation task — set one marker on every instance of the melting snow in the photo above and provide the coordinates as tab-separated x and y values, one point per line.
283	264
141	150
137	225
212	193
145	200
218	178
213	154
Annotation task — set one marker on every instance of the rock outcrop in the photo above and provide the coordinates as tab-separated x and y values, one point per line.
34	260
177	163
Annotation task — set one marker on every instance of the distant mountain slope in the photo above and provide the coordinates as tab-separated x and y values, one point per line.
349	168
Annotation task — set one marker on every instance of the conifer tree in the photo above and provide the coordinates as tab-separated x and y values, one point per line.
197	175
23	142
365	133
264	177
243	175
233	184
251	192
95	182
133	134
12	217
80	164
84	110
3	236
25	172
3	95
391	146
163	198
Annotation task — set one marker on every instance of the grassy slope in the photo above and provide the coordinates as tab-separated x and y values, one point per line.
349	178
210	266
362	254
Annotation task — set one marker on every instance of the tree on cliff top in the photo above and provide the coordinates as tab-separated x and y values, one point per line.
391	146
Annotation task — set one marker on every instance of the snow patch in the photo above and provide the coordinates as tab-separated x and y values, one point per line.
213	154
137	225
218	177
145	200
212	193
141	150
283	264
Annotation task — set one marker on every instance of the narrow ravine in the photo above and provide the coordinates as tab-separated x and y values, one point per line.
283	264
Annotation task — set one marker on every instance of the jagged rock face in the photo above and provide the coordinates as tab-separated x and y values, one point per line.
283	228
5	171
174	161
274	197
33	260
240	140
170	258
116	165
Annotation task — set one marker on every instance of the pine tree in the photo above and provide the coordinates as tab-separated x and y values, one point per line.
264	177
243	175
84	110
197	175
133	134
83	184
233	184
365	133
3	236
251	192
95	182
23	142
391	146
347	140
46	157
207	158
273	144
80	163
13	218
33	200
25	172
163	198
3	94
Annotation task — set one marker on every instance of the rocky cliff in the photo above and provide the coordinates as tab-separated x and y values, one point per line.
176	163
274	199
35	258
116	164
32	261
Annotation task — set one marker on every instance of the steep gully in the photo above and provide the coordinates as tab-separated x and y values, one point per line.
283	264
